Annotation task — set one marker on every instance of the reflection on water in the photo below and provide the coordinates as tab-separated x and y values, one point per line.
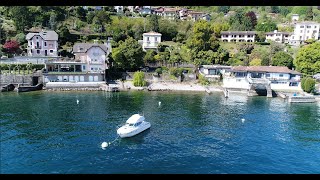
190	133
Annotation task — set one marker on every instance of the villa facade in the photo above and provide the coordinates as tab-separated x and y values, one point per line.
278	77
42	44
238	36
151	40
276	36
89	64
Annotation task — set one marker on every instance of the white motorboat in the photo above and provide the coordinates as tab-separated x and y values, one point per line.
134	125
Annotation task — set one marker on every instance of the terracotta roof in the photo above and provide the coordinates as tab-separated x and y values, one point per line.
271	69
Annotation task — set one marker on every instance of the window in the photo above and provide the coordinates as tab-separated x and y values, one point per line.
31	50
308	31
30	43
267	75
301	26
280	75
307	37
38	51
148	39
45	43
301	31
308	26
37	37
315	27
84	67
156	38
51	51
92	69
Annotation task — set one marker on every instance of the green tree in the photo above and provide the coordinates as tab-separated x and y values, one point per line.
309	14
266	26
308	84
81	13
301	10
128	55
21	38
255	62
22	17
203	37
149	57
138	79
282	59
154	22
308	59
224	9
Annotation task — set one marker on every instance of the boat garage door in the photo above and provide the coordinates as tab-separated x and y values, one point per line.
96	78
76	78
81	78
90	78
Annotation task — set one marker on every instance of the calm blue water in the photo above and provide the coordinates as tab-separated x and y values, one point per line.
191	133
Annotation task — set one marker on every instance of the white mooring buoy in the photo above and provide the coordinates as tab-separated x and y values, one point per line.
242	120
159	103
77	101
104	145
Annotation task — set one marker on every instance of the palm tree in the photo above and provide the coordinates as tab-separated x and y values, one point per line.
29	66
18	66
9	66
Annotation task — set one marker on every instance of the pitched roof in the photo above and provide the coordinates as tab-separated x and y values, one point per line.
45	34
84	47
270	69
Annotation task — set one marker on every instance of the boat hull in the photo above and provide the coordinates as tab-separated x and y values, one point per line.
129	132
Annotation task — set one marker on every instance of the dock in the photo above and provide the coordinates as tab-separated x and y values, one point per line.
301	99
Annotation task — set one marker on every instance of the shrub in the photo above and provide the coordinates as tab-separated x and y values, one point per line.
138	79
308	84
159	71
203	80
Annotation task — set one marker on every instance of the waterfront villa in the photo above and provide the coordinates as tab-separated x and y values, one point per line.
88	65
280	37
44	43
213	71
150	40
238	36
277	77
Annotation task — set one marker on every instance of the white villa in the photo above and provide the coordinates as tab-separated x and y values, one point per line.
88	65
280	37
238	36
304	31
278	77
151	40
213	71
295	17
44	43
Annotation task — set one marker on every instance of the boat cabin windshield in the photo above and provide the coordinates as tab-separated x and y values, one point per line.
131	124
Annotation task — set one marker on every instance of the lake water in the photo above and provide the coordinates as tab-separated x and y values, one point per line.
191	133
